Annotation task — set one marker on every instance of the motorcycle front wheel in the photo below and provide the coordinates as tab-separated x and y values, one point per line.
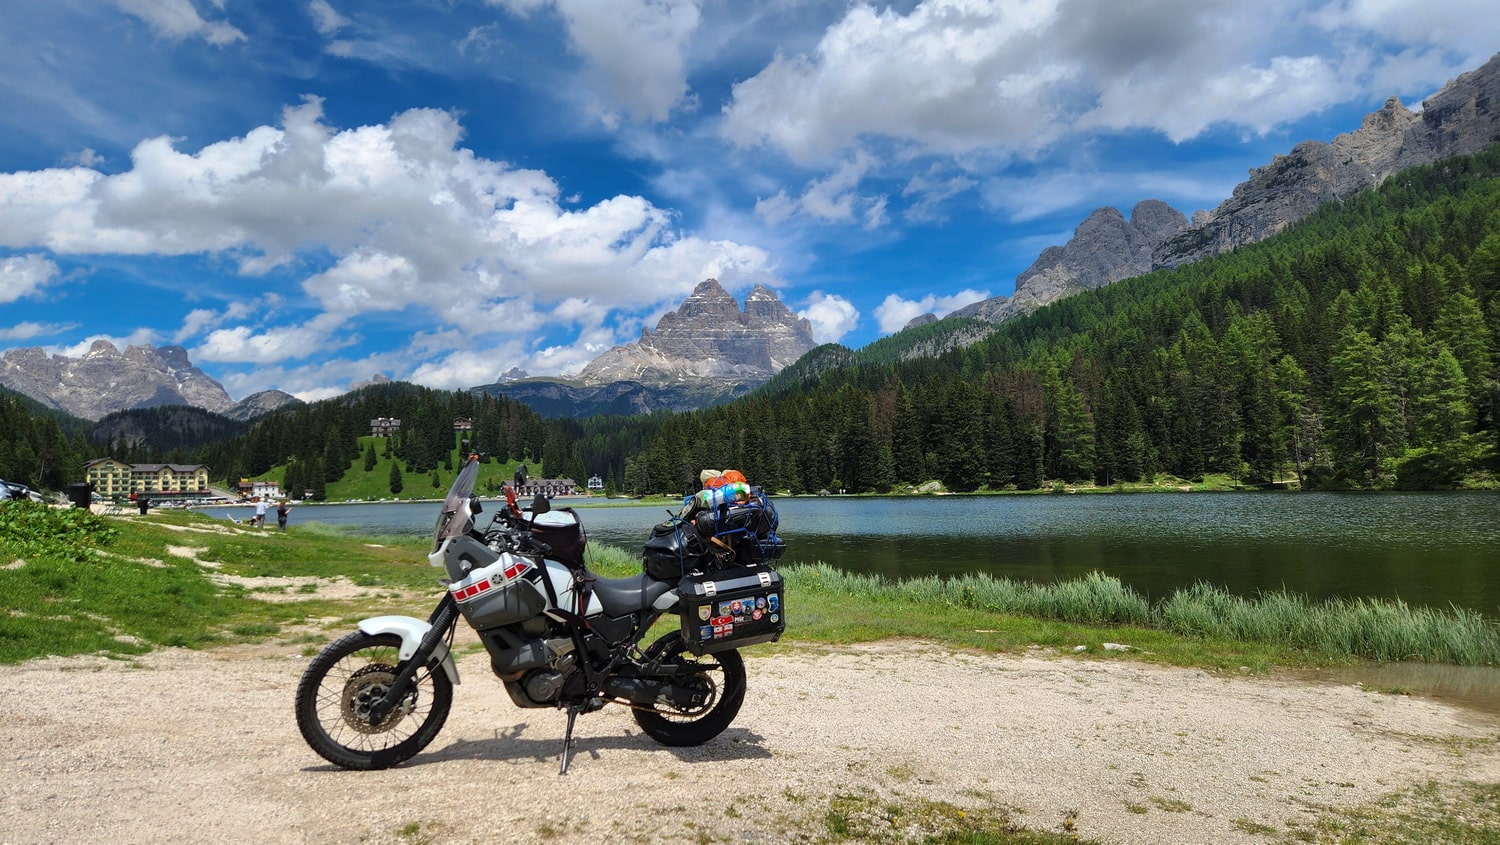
721	676
338	689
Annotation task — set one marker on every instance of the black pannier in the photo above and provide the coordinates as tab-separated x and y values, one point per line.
562	530
674	550
730	608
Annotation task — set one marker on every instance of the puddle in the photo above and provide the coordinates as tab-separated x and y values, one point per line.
1474	687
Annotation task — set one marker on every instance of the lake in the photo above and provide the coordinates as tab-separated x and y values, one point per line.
1424	548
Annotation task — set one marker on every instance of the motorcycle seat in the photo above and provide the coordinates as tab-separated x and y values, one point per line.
620	596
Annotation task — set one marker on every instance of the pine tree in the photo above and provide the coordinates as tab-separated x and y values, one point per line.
395	478
370	456
1364	425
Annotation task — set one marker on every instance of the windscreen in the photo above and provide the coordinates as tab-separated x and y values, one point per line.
455	518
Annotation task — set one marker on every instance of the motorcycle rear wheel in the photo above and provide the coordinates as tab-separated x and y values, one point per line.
722	674
340	684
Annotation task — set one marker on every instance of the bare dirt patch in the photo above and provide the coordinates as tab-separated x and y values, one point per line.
183	746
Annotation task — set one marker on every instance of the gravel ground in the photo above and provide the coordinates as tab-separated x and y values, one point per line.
185	746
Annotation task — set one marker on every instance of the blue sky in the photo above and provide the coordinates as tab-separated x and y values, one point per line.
305	194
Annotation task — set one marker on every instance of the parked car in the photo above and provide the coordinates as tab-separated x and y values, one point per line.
17	490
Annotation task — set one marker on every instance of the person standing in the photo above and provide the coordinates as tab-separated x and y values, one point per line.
260	512
282	510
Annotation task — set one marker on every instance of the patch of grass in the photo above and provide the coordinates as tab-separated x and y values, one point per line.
1450	813
1171	805
1223	629
864	818
1253	827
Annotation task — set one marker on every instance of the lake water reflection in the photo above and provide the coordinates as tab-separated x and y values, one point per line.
1424	548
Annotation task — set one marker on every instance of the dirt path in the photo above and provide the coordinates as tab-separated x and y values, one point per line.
185	746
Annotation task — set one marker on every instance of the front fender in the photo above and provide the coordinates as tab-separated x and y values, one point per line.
411	631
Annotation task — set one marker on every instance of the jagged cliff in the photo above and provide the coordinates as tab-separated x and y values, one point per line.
707	351
709	337
105	380
1461	119
1104	248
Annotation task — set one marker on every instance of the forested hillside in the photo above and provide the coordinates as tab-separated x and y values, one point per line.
39	447
1355	350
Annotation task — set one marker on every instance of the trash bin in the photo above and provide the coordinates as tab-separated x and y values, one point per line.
81	495
143	503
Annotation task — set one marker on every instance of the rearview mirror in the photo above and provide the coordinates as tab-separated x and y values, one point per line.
520	479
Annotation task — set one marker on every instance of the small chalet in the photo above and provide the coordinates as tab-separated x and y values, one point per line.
384	426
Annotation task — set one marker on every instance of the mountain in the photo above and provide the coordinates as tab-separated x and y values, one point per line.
558	398
710	337
257	405
709	350
105	380
1104	248
1461	119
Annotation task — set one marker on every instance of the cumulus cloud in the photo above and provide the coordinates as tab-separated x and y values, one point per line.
831	316
178	19
138	337
404	216
632	49
832	199
895	312
1010	77
24	275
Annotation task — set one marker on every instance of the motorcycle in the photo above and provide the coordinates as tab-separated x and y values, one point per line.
557	635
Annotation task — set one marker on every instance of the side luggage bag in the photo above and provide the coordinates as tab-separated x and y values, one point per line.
732	607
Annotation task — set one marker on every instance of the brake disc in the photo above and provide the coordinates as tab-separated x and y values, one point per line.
363	689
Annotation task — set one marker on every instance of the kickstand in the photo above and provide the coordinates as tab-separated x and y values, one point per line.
568	740
586	706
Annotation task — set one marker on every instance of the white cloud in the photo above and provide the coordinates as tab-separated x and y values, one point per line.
832	199
895	312
632	49
27	330
242	344
178	19
139	337
24	275
402	216
831	316
1011	77
325	17
952	75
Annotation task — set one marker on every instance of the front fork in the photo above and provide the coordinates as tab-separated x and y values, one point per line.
421	642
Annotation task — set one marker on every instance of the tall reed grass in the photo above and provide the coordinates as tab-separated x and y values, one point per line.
1375	629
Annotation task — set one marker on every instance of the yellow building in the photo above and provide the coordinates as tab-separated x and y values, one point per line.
112	479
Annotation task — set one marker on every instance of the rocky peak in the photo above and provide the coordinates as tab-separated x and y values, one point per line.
105	380
257	405
710	337
1460	119
1105	248
101	349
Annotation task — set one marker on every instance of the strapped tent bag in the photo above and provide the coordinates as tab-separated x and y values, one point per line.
673	550
748	529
